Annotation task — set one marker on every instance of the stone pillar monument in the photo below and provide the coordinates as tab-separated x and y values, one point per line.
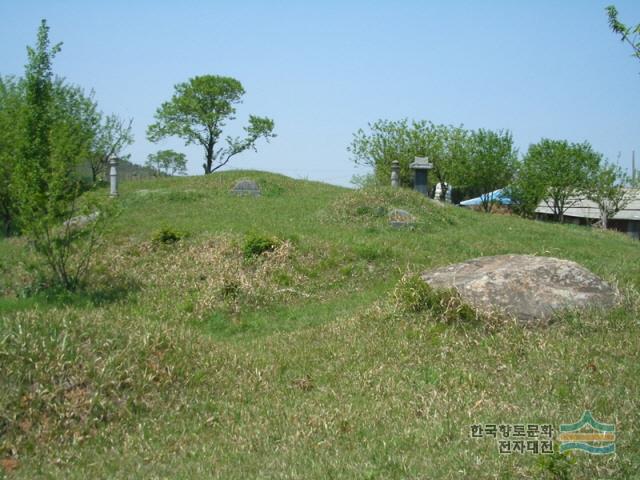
421	167
113	176
395	174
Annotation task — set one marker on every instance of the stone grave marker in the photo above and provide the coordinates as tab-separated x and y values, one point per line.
401	218
246	187
81	221
421	167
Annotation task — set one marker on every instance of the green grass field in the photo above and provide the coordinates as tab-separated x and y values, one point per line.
196	360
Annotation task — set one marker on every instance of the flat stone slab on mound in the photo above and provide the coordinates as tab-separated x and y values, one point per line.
82	221
246	187
526	287
401	218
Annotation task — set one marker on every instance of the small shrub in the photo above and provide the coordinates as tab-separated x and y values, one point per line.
167	236
413	295
256	245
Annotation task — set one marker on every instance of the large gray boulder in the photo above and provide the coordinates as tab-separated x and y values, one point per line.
526	287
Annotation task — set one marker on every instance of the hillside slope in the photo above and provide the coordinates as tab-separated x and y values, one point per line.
197	359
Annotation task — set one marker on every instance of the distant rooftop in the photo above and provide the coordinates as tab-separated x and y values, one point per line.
585	208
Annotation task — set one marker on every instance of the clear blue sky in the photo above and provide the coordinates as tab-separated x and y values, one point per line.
322	70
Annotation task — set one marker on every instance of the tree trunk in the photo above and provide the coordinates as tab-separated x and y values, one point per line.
6	220
209	158
209	149
603	219
443	192
560	209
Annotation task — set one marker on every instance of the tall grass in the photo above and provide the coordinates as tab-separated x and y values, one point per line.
317	358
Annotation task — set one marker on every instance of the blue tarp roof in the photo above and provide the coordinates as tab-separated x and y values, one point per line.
495	196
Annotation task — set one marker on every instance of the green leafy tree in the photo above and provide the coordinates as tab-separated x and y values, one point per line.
11	111
402	140
113	135
385	142
608	188
168	161
71	106
45	184
631	35
489	163
198	112
556	173
447	150
524	196
109	134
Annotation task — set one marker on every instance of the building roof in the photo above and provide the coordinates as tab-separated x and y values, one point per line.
585	208
495	196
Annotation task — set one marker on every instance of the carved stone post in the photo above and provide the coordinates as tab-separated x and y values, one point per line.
395	174
113	176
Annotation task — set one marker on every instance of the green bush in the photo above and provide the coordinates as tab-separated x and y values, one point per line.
413	295
168	235
255	245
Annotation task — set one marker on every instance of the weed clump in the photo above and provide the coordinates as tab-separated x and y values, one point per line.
413	295
168	236
230	289
256	245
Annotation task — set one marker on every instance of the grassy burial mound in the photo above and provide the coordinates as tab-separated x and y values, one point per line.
288	335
